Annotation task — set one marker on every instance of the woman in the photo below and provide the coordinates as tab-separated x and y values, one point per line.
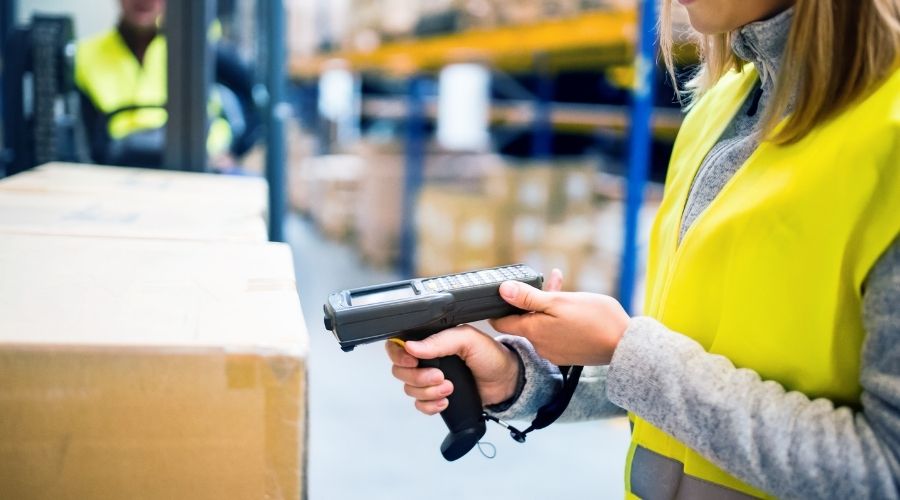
769	360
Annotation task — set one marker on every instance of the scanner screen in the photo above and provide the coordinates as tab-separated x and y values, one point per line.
382	295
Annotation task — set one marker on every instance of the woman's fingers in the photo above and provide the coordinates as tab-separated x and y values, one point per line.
525	296
399	356
522	324
555	281
418	377
431	393
494	366
432	407
458	341
426	385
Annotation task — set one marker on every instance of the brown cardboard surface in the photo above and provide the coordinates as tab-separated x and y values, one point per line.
334	186
458	231
99	214
235	194
150	369
102	424
379	209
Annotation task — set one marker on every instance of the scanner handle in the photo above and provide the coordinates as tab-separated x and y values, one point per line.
463	414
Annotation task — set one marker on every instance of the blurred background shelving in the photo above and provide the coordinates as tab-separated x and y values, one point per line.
556	113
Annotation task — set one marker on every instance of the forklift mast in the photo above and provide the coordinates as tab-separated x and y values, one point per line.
40	102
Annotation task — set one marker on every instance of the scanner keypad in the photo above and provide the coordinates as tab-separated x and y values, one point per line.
477	278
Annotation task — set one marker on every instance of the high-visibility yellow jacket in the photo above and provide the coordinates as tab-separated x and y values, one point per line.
771	274
132	96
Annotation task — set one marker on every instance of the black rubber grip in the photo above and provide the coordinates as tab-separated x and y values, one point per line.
463	414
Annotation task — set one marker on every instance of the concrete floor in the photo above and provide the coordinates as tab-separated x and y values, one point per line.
367	441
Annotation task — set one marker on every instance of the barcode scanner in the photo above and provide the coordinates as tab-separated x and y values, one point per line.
417	308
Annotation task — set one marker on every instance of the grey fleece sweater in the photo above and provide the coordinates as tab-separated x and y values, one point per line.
781	442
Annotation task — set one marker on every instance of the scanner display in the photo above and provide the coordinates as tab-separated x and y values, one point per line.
383	295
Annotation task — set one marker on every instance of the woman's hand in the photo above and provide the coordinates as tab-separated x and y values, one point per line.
566	328
494	367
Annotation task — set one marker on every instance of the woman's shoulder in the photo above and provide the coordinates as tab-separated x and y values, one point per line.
876	115
887	96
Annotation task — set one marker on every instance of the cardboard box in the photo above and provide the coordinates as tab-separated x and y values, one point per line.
565	246
520	12
589	5
464	171
598	273
232	194
527	233
609	221
100	214
572	192
534	11
458	231
379	199
539	195
334	187
300	148
587	247
379	208
150	369
527	188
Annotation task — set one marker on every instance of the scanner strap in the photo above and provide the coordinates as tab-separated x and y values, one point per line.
551	411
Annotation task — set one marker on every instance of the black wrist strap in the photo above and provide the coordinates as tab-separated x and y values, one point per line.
551	411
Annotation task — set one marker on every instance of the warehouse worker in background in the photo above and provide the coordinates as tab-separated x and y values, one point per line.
122	77
769	360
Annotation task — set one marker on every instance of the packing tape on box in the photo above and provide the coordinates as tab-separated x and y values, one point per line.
240	371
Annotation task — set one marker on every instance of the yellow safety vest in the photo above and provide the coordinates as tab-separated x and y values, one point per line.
771	274
112	78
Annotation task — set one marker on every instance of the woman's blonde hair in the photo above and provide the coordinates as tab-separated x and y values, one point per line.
837	51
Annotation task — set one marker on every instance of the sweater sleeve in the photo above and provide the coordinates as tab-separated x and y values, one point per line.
779	441
542	380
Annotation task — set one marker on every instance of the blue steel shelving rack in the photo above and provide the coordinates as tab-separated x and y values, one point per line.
639	148
638	159
414	169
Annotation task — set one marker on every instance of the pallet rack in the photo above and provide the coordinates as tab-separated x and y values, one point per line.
614	38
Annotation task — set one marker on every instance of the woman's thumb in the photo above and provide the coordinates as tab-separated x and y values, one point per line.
524	296
446	343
